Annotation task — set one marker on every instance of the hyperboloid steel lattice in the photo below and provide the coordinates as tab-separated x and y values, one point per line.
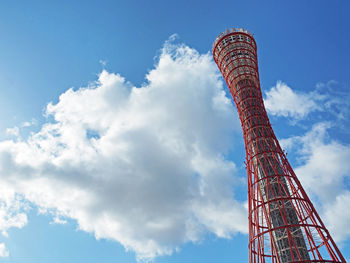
284	226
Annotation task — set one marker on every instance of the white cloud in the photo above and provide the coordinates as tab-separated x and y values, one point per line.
337	216
29	123
12	209
325	161
3	251
57	219
324	167
13	131
337	102
328	101
143	166
324	171
281	100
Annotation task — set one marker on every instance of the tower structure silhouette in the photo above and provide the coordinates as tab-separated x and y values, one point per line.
283	223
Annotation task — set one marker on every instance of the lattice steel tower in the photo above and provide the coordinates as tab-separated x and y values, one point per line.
283	224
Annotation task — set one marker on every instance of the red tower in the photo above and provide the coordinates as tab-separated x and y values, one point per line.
283	224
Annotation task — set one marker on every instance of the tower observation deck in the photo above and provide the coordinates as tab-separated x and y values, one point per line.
284	226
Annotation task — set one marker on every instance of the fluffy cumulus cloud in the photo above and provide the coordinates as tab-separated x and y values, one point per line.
329	101
144	166
13	209
3	251
322	162
337	216
324	171
281	100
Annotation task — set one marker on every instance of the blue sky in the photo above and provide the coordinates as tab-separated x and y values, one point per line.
118	138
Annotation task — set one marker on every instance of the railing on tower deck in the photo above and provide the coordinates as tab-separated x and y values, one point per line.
229	31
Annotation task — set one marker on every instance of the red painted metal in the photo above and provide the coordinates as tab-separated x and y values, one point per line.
283	224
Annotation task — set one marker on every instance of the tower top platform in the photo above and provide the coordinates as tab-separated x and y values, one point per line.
229	31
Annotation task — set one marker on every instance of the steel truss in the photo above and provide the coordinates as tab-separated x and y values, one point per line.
283	224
